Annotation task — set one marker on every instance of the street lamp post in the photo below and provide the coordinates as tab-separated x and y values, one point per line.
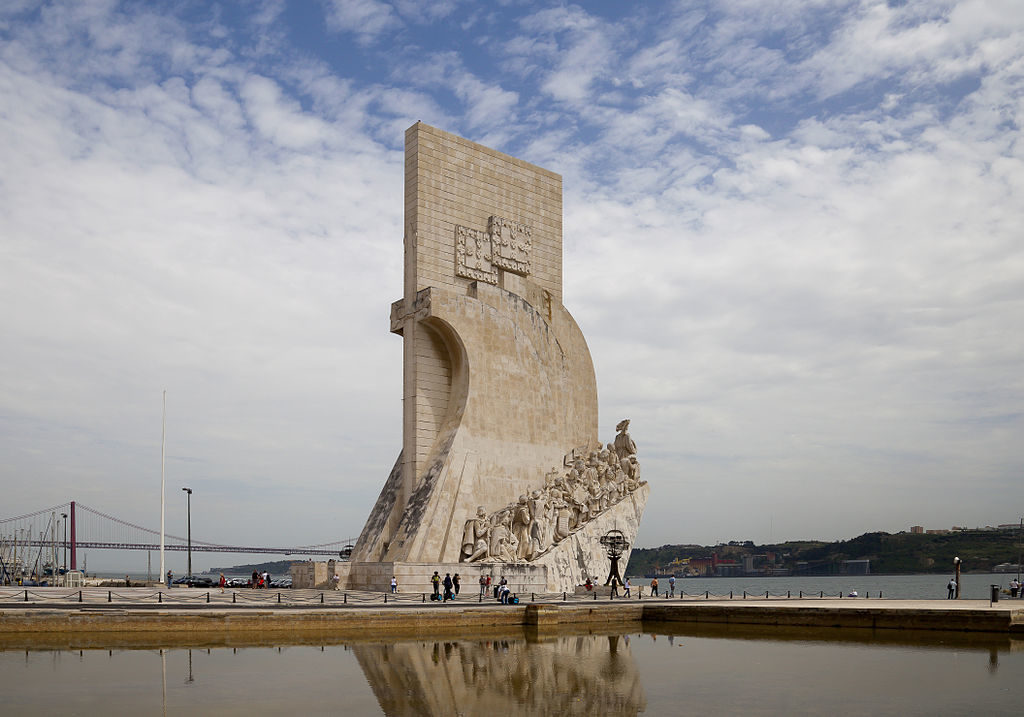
956	567
188	498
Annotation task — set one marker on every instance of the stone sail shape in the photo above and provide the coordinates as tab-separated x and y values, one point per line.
498	380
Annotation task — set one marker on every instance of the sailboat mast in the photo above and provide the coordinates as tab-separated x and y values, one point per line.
163	444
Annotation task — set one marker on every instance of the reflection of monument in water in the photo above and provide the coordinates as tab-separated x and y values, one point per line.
590	674
501	469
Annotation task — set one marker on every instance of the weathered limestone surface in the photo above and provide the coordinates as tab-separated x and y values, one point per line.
581	555
415	577
499	384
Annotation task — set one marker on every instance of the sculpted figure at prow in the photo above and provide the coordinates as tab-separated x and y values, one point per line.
525	530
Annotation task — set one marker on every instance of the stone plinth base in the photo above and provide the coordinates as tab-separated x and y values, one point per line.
415	577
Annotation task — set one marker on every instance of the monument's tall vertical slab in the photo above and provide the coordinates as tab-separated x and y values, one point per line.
498	380
500	456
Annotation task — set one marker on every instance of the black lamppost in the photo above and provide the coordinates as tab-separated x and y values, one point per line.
65	518
188	498
956	568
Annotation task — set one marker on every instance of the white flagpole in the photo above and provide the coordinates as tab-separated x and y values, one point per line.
163	443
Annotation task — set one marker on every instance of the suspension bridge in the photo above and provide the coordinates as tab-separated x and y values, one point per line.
73	526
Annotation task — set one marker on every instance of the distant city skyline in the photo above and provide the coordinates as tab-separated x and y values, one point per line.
792	238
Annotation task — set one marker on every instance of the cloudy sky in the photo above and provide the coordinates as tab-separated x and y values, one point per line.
794	238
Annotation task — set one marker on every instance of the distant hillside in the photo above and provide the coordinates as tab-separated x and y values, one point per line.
900	553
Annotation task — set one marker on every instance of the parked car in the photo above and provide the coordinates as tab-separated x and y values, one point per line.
196	581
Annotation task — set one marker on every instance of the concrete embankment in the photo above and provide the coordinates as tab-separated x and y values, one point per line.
963	616
437	620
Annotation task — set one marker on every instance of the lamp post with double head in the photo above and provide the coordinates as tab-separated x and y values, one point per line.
188	499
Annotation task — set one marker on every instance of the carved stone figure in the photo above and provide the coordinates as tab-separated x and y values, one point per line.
474	537
540	527
624	445
562	522
527	529
521	528
502	544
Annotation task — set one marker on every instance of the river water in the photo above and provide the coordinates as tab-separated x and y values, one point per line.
664	670
974	586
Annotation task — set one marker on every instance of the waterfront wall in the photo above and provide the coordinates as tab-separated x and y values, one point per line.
432	619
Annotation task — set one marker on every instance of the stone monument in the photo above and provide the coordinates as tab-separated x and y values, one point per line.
501	469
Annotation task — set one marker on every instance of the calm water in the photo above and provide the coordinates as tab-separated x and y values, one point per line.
663	671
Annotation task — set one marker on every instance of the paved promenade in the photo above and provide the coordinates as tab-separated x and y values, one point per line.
186	611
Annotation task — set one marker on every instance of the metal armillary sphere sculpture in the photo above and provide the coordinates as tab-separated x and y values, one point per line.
616	544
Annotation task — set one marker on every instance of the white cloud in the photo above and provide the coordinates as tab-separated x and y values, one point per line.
791	238
368	20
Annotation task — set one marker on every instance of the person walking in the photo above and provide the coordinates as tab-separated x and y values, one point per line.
483	586
672	586
435	581
448	587
223	581
456	582
170	576
626	588
394	584
615	588
1014	585
654	587
951	589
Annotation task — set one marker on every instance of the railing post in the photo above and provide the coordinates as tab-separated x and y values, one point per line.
744	594
533	597
160	596
789	594
707	594
821	594
385	598
26	596
563	596
321	598
595	594
730	594
109	596
801	594
279	598
79	596
346	598
765	594
207	596
234	597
